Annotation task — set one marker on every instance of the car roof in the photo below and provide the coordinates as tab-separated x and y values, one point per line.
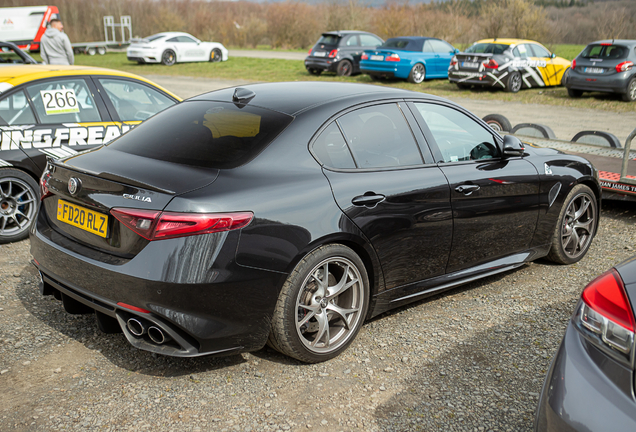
20	74
415	38
294	97
168	34
344	32
507	41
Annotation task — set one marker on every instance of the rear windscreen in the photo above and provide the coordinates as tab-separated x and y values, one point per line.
204	134
487	48
609	52
403	44
329	40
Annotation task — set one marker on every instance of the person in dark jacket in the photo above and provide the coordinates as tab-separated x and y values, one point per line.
55	46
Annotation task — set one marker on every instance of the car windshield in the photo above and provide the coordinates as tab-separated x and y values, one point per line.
204	134
487	48
605	51
329	39
403	44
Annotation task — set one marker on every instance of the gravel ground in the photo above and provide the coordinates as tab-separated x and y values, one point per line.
473	359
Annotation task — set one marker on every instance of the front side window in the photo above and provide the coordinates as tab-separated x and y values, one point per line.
369	41
441	46
459	138
204	134
539	51
134	101
63	101
15	110
331	149
380	137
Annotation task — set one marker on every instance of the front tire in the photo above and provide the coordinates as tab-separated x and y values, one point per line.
216	55
19	196
514	82
345	68
630	94
417	74
168	58
575	227
321	306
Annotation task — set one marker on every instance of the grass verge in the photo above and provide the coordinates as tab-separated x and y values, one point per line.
259	70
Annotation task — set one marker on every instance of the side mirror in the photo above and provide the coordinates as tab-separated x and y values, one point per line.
455	51
512	146
553	55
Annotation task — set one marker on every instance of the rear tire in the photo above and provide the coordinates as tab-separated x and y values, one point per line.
345	68
321	306
630	94
575	226
18	204
514	82
575	93
498	122
168	57
417	74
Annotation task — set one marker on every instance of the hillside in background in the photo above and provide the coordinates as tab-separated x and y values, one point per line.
295	24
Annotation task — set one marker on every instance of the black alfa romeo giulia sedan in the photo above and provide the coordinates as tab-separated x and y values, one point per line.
288	213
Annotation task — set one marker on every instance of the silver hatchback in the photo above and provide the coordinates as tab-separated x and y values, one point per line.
604	66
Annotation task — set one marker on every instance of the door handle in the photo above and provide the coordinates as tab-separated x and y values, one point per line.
368	200
467	189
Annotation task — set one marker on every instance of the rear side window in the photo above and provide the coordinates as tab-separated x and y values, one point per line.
352	41
441	46
134	101
204	134
331	149
380	137
610	52
63	101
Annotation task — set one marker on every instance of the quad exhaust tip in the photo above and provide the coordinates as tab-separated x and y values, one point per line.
136	327
157	335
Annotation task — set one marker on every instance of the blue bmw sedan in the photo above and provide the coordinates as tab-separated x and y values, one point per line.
412	58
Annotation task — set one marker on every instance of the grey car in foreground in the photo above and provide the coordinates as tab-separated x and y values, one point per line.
604	66
590	384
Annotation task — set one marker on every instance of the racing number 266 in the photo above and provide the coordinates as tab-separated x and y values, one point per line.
59	99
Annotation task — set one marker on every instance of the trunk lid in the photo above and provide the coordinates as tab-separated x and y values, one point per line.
121	181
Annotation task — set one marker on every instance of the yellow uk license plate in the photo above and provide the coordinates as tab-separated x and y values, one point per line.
83	218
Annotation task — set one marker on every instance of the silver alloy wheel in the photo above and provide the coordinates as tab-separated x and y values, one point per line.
495	126
17	206
514	83
329	305
578	225
418	73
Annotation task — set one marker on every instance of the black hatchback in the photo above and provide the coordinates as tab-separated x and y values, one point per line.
604	66
340	52
276	213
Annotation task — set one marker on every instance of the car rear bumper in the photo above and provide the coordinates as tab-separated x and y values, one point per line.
324	64
616	83
579	395
204	301
383	69
475	78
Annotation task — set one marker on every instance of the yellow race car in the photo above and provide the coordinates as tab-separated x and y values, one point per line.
58	111
507	64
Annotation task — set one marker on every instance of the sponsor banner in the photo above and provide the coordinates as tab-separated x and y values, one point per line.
620	187
71	135
523	63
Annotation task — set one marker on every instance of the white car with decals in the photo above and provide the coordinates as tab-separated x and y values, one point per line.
174	47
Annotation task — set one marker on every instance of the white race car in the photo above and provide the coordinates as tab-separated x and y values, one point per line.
172	47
